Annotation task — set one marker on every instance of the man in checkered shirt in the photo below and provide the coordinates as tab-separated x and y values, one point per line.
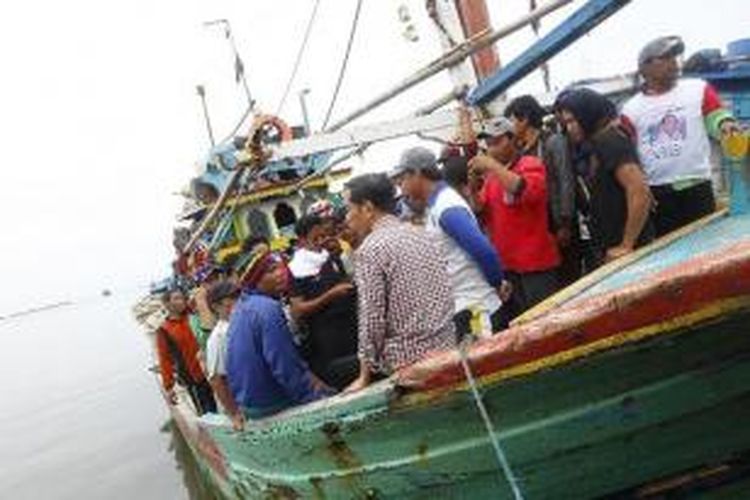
404	294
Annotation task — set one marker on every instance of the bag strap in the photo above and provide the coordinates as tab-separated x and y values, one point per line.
183	375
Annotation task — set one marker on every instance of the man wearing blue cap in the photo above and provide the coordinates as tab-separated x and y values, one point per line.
672	121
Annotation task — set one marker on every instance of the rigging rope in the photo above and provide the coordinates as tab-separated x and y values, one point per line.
491	432
298	61
322	171
344	63
237	127
544	67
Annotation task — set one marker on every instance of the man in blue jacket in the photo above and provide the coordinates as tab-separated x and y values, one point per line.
265	372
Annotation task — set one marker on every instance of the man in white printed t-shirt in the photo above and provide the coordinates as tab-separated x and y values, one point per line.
473	263
221	298
671	121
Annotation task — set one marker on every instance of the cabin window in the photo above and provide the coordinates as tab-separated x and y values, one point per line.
204	192
258	224
285	217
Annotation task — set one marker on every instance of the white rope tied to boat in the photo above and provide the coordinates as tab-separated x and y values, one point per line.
502	459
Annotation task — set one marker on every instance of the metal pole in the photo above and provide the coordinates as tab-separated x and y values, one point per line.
250	101
202	94
240	71
303	104
455	56
454	95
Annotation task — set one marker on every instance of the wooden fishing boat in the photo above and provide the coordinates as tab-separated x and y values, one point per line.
631	382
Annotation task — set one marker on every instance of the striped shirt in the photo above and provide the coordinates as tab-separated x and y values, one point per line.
404	294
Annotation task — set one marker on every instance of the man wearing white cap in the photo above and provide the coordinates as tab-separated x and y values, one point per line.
672	121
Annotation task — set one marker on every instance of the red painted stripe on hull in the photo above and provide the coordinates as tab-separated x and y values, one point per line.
667	295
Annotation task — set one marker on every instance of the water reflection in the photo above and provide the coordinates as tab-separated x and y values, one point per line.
198	485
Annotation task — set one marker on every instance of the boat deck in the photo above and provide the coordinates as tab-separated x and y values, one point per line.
713	237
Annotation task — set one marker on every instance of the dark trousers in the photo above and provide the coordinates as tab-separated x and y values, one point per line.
202	396
339	372
571	268
677	208
462	320
529	289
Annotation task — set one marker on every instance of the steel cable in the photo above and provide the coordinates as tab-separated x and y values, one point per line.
344	63
298	60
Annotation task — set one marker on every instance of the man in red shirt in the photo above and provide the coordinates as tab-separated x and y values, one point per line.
510	192
178	355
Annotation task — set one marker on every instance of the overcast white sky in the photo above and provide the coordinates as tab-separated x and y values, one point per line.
100	122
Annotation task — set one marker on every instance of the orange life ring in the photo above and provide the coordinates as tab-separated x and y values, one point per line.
269	123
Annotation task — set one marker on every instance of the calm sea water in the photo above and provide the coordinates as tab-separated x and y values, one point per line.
81	415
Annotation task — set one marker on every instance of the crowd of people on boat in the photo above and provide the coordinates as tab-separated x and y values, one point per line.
447	248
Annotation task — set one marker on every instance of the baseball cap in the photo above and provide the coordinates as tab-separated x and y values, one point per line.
495	127
412	160
661	47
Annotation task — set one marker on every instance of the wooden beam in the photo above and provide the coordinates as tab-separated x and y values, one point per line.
359	136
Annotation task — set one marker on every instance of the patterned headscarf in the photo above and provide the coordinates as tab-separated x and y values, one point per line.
259	264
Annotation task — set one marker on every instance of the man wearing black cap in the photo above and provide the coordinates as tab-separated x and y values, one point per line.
672	121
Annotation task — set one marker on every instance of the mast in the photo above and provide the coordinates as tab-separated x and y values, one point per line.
450	31
475	19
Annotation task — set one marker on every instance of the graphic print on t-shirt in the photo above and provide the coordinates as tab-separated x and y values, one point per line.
666	134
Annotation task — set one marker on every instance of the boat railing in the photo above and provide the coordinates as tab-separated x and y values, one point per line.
590	280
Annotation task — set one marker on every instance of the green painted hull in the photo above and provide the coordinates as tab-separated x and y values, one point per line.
599	426
625	389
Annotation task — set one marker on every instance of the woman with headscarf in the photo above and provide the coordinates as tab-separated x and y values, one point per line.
619	198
